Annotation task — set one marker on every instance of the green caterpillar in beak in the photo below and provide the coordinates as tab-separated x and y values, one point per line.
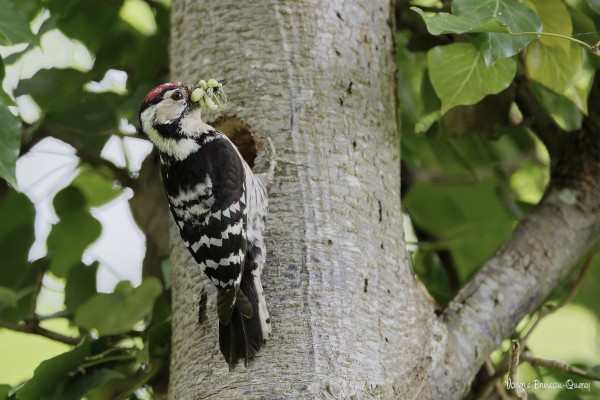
209	93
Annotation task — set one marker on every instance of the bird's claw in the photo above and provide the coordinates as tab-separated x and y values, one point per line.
272	156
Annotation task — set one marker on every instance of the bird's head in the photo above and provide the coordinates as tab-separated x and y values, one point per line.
171	119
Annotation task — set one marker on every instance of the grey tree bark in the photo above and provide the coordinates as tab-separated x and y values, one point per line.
349	321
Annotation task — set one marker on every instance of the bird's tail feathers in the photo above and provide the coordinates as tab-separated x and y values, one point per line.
249	325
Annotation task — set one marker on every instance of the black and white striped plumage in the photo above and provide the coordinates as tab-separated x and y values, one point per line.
219	206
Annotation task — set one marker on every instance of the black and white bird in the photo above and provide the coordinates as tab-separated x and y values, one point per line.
219	206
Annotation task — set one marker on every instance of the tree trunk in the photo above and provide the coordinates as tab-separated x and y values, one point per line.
319	79
349	321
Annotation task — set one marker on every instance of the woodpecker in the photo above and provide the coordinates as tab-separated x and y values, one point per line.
219	206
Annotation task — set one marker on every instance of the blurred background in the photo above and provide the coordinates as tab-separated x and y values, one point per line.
89	223
72	93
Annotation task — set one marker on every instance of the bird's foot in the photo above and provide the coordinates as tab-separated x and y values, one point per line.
272	156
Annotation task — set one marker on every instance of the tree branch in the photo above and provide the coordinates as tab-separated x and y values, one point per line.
533	260
38	330
513	379
512	284
544	312
558	365
36	293
32	326
84	153
572	292
91	157
483	394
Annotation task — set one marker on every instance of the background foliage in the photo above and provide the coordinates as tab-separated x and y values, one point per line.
471	171
121	338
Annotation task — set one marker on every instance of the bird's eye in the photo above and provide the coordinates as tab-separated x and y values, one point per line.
177	96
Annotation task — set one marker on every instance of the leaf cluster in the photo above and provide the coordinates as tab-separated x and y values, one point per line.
473	166
121	338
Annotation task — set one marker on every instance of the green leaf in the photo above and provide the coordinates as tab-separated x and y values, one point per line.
4	390
51	371
147	58
54	89
92	114
494	46
165	266
460	156
160	313
81	285
10	145
594	5
76	388
587	294
471	219
492	111
114	42
17	234
583	26
88	117
47	25
16	211
459	75
553	14
563	110
159	340
97	185
576	87
127	307
431	272
59	6
7	298
22	281
92	22
427	120
4	40
14	24
30	8
124	288
4	97
579	89
130	108
157	334
552	66
75	231
411	68
442	23
565	57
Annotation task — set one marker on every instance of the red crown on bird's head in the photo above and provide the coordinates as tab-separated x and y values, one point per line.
158	90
